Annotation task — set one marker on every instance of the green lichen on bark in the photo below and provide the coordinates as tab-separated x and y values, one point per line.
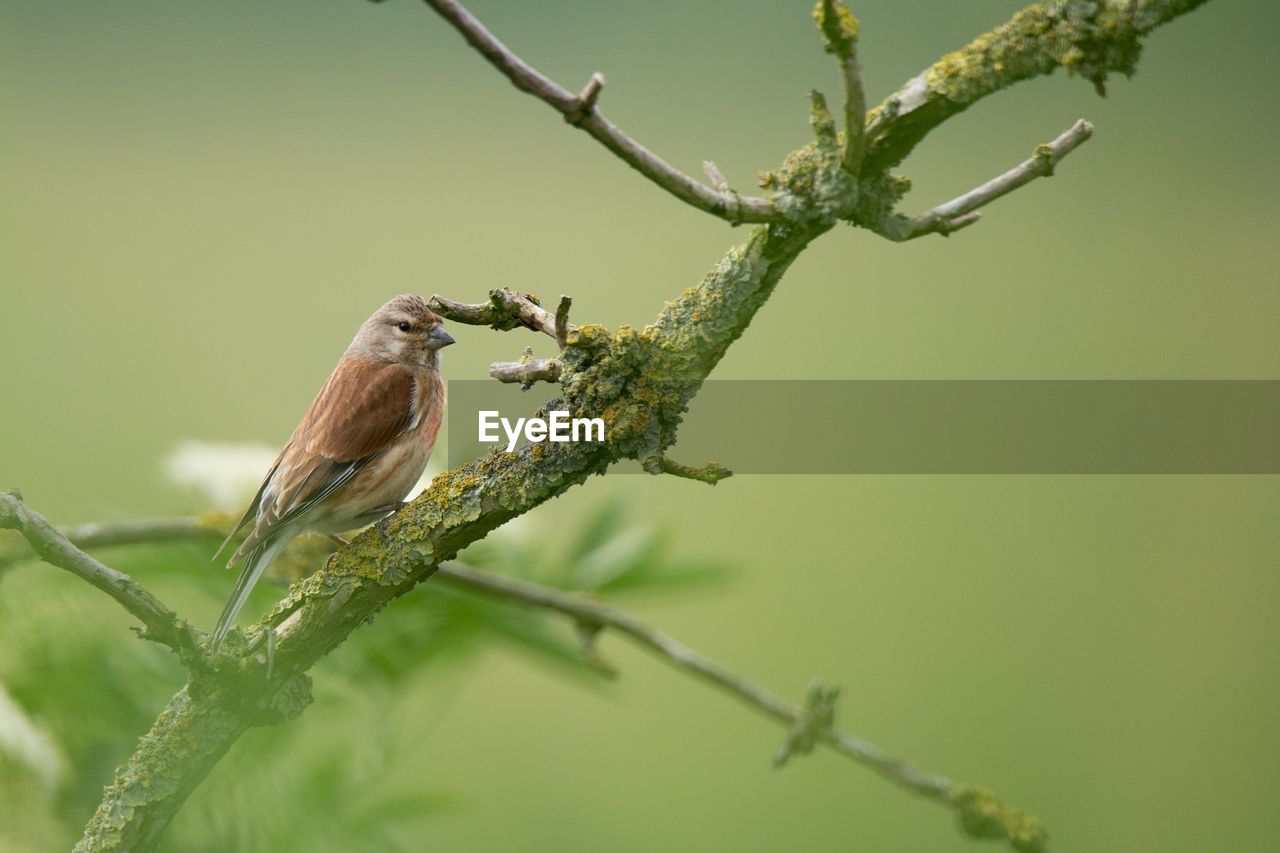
838	25
982	815
184	743
1090	38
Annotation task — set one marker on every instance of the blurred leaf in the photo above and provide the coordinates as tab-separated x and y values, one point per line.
605	524
406	806
668	576
614	557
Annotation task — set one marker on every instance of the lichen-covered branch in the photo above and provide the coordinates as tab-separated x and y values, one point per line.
580	111
963	210
711	473
1091	39
159	622
638	382
185	742
809	725
505	310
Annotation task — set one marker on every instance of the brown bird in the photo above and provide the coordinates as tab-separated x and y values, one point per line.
360	448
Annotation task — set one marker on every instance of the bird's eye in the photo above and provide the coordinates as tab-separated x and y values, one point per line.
404	327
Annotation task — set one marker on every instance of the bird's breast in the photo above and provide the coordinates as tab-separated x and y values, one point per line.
396	470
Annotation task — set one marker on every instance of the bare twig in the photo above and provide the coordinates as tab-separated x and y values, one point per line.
562	321
963	210
711	473
586	611
160	623
120	533
579	110
587	98
840	31
715	176
527	370
505	310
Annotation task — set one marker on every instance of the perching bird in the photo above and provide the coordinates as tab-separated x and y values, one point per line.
360	448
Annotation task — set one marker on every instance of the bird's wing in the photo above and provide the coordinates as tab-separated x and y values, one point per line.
252	511
360	410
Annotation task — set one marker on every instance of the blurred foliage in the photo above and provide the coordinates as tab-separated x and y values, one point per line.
322	783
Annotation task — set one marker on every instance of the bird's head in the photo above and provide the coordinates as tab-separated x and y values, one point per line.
404	330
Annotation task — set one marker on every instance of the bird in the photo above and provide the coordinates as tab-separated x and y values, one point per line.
359	449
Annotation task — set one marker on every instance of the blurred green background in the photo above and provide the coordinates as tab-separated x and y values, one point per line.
202	201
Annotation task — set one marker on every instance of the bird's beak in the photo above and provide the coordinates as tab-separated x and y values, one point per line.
438	338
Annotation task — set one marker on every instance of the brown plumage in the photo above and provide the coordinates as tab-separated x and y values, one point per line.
360	448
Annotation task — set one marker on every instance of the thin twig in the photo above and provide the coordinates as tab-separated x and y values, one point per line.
527	370
589	612
963	210
840	30
579	110
562	321
120	533
587	97
160	623
715	176
981	814
505	310
711	473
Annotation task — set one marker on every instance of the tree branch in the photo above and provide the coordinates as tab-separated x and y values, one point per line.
562	321
580	111
595	614
159	622
505	310
1088	39
121	533
962	210
840	30
711	473
807	726
638	381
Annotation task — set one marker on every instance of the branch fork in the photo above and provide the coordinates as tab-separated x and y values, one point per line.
580	111
586	102
159	623
815	721
505	310
840	30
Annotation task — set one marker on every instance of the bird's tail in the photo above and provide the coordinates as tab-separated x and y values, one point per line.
255	563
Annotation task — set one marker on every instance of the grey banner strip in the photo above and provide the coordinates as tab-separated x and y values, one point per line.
948	426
